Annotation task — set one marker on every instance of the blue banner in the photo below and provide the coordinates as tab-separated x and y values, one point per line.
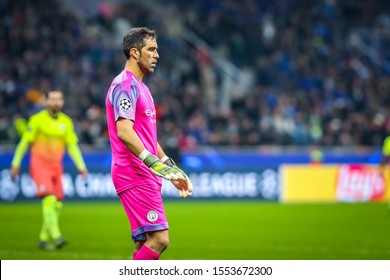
207	185
229	174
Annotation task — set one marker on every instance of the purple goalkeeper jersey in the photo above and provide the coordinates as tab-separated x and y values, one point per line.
131	99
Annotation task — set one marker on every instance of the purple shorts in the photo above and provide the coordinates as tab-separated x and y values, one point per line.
144	209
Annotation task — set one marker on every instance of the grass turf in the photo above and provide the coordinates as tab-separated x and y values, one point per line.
208	230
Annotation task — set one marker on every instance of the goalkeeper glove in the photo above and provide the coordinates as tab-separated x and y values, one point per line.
158	168
184	187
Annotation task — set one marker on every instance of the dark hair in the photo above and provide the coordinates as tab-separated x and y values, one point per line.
135	38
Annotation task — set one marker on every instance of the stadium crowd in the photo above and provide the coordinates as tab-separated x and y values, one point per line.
305	72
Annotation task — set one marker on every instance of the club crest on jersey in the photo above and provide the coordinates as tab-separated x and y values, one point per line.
152	216
125	104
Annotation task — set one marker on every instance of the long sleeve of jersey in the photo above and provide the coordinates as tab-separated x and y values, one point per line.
20	151
27	138
75	154
73	148
386	147
385	151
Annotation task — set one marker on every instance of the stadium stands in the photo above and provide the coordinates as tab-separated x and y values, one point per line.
309	72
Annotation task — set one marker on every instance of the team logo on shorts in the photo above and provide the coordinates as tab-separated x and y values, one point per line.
152	216
125	104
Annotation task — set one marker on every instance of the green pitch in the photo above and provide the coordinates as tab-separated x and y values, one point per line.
209	230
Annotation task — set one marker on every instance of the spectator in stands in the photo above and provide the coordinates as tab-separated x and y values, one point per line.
311	72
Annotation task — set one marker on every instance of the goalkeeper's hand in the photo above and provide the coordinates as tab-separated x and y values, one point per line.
183	186
160	169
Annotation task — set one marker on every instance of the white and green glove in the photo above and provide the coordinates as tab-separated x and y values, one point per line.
158	168
183	186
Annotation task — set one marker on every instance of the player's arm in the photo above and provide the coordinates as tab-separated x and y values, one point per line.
160	152
74	150
131	140
22	147
184	186
76	156
128	136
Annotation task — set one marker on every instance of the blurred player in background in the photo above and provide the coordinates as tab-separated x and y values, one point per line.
48	132
385	161
138	161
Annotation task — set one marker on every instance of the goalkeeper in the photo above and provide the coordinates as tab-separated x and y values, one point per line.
138	161
49	133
